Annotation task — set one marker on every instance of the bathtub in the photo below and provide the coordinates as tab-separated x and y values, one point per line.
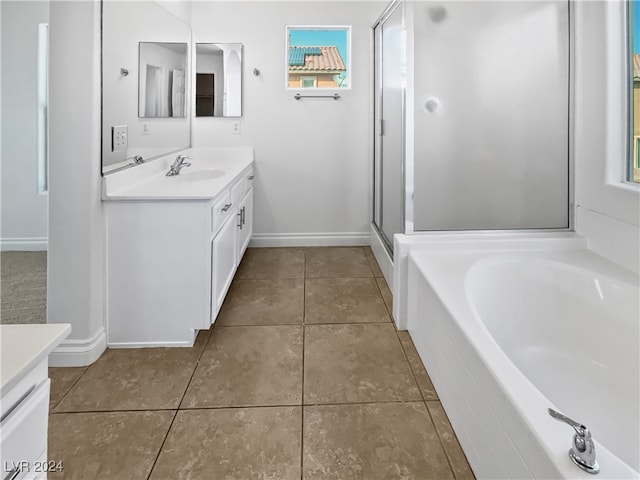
508	330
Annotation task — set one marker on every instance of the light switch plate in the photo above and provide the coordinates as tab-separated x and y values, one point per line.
119	138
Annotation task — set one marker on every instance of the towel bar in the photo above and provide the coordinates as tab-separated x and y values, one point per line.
298	96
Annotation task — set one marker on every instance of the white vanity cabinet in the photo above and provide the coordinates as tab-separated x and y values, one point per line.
170	262
24	399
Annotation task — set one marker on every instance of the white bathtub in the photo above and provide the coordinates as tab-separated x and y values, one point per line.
507	331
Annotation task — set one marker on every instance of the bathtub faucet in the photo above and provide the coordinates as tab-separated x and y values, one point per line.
583	451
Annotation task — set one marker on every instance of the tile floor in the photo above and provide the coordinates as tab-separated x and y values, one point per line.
303	376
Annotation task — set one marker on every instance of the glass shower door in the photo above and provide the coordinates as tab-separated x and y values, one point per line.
389	126
491	115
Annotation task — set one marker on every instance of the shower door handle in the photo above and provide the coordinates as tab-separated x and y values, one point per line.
381	128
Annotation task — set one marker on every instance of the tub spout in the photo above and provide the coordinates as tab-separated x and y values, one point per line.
583	451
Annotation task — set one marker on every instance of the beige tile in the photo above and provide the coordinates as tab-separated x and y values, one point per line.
422	377
344	300
260	263
387	296
108	445
254	443
62	379
373	263
133	379
373	441
457	458
263	302
244	366
355	363
337	262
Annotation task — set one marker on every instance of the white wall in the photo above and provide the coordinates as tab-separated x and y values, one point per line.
607	211
76	235
23	210
312	156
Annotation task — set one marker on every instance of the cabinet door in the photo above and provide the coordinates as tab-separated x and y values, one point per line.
223	263
245	227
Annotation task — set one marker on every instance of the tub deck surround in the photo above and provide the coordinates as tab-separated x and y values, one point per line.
507	331
174	243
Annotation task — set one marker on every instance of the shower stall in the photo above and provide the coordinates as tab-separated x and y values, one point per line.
472	118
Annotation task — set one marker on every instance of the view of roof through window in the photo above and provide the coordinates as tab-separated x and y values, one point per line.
317	57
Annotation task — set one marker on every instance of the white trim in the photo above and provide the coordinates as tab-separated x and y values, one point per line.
310	239
318	27
125	345
79	353
382	257
612	238
35	244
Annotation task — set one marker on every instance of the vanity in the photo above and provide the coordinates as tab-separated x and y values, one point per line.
173	244
24	399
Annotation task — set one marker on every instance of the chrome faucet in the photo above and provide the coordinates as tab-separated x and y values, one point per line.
178	164
583	451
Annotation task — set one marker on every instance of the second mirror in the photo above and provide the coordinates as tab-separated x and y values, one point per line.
218	80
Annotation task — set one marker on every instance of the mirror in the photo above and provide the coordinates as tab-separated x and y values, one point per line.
218	80
143	44
161	80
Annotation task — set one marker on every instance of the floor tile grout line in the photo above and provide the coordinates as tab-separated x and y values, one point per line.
406	356
304	321
186	389
444	449
386	307
164	440
127	410
53	407
195	367
240	407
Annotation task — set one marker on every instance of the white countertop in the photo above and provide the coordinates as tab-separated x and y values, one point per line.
22	347
149	181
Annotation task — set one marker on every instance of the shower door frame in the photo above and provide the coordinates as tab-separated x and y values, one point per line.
377	127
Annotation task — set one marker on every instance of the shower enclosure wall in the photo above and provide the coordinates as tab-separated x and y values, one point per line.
472	103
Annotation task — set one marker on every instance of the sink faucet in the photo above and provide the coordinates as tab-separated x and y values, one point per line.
583	451
178	164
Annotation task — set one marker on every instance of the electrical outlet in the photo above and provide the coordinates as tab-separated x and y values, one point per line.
235	127
119	138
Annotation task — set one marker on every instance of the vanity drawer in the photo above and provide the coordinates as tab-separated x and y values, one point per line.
221	209
241	186
24	435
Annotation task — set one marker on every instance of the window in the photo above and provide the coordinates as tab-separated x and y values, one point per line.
318	57
308	82
634	104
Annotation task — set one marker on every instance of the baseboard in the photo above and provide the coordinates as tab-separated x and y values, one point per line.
79	353
34	244
310	239
382	256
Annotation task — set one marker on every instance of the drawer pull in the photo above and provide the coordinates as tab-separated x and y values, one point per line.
226	207
251	177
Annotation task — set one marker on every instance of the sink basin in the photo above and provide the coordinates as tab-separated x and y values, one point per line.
199	175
